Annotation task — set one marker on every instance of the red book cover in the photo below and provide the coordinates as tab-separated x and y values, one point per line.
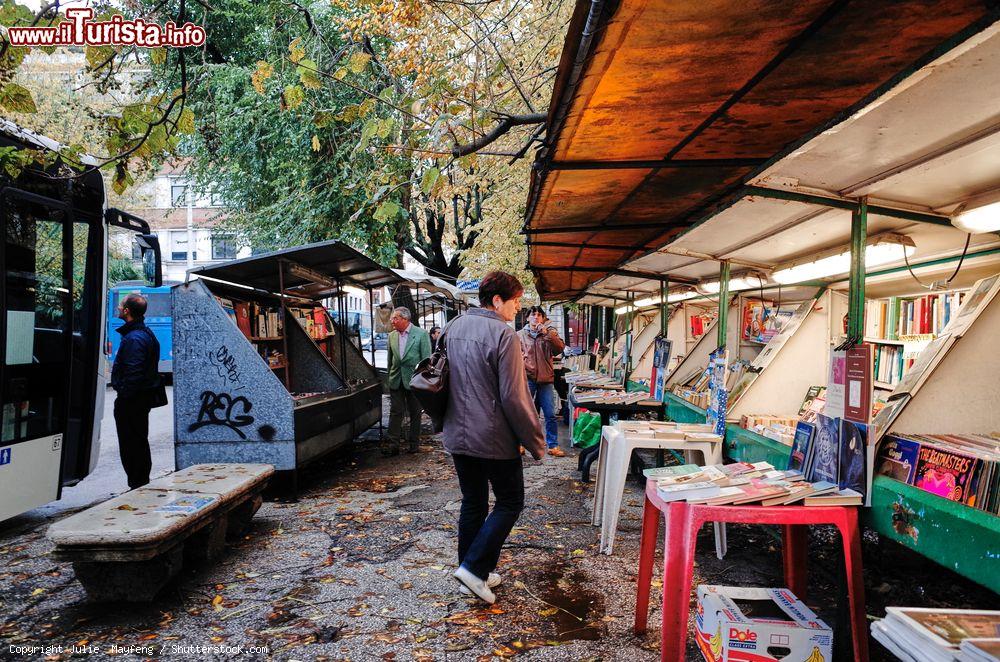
859	386
242	309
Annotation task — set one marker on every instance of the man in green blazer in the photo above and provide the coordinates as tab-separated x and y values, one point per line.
408	346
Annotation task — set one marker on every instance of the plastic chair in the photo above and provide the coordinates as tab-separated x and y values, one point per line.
612	470
681	528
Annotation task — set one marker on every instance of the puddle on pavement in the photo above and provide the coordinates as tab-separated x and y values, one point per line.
579	610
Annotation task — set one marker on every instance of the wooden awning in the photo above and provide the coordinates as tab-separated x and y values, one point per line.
664	109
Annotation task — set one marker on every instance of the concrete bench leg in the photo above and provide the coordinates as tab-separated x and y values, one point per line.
241	517
129	581
208	543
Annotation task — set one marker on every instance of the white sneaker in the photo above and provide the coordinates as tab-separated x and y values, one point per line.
476	585
492	581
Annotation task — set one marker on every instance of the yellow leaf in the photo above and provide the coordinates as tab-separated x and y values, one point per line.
37	591
358	61
315	144
217	603
551	611
295	50
578	552
125	506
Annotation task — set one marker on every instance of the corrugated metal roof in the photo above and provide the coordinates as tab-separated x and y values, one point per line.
663	110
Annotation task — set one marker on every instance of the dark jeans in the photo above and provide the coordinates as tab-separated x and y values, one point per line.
480	538
402	400
132	423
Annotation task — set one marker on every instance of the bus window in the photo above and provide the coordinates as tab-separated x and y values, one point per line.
157	304
36	290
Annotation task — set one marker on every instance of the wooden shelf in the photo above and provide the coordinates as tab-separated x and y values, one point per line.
883	341
280	366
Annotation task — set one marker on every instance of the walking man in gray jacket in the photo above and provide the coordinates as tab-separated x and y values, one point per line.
490	414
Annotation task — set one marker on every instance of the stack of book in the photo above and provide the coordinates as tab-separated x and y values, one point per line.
964	468
779	428
608	397
313	320
896	317
592	379
694	388
669	430
746	483
939	635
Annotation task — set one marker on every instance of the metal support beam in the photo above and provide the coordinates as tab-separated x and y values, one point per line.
664	307
856	287
589	246
656	164
721	326
844	203
646	275
599	227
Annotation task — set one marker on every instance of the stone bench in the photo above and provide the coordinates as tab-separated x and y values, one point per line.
130	547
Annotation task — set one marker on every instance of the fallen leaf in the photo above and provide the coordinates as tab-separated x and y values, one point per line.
217	603
125	506
148	637
551	611
37	591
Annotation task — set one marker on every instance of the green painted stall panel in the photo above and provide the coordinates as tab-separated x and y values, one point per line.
682	411
746	446
958	537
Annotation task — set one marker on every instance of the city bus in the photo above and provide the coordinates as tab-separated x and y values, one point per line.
53	260
158	318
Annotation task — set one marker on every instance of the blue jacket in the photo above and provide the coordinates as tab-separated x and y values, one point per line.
135	368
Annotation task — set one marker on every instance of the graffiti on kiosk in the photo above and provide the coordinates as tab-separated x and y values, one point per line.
225	364
225	410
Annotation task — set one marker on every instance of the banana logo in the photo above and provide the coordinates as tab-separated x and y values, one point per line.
715	643
816	656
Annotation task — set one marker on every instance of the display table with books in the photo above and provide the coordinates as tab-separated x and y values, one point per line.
915	634
682	522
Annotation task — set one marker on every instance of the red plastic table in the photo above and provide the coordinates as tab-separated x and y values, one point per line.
681	529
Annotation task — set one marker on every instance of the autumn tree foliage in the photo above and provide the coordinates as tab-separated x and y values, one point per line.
405	127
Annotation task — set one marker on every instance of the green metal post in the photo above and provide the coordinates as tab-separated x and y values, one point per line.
664	293
723	322
856	287
628	338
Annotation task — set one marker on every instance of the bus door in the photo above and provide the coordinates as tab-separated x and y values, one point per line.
36	334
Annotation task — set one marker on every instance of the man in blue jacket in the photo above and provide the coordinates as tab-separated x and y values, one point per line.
134	377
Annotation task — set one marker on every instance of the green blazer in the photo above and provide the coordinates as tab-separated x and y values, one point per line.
418	348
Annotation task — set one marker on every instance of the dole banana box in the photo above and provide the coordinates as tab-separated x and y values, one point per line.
777	626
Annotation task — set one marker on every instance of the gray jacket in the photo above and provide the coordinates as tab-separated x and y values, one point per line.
490	411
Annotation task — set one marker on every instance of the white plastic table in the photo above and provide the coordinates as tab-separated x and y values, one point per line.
612	470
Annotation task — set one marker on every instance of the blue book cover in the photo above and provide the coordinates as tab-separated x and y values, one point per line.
800	446
897	458
826	451
853	441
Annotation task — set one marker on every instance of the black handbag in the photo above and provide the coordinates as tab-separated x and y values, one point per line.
158	395
430	383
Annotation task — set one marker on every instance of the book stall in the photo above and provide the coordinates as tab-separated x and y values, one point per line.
853	271
262	370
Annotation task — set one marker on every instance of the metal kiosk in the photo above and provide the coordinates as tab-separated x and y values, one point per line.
262	372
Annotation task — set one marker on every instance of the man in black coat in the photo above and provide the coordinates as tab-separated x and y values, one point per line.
135	378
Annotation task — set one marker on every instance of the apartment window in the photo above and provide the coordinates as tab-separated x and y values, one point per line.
223	247
179	247
178	194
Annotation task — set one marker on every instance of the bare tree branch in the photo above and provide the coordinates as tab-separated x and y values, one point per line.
506	123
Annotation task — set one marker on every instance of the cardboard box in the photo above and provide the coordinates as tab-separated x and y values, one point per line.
772	625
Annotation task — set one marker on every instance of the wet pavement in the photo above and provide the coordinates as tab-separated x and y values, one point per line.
359	566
